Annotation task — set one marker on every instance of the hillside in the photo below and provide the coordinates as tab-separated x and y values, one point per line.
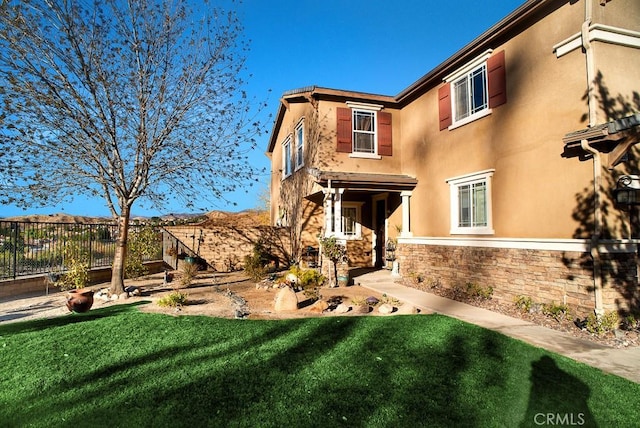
248	217
58	218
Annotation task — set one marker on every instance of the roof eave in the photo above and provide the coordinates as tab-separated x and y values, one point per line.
508	24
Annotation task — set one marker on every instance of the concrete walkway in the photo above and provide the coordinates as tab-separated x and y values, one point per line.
622	362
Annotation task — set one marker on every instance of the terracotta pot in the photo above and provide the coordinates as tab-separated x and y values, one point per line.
80	300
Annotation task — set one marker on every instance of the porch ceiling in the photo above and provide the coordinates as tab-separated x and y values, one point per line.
614	138
365	181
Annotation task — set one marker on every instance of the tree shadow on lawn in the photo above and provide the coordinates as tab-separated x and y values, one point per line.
180	375
352	371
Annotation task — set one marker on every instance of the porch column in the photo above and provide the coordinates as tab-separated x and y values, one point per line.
337	209
328	208
406	225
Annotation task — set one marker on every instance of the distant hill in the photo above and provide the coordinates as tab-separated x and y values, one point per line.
58	218
246	217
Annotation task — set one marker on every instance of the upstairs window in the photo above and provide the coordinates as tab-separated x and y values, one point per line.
471	92
364	130
287	167
299	145
471	203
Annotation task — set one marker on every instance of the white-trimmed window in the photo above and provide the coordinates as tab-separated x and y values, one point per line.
299	145
471	203
472	91
470	94
364	131
351	227
287	166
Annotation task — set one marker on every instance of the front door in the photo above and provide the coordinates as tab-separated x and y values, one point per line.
380	231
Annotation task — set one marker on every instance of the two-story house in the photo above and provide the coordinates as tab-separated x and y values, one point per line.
497	167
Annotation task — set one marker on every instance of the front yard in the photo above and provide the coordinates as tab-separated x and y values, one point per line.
118	366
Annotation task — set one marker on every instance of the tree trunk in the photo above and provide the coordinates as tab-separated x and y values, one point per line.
117	273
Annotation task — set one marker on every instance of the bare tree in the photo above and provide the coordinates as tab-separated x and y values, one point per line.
124	99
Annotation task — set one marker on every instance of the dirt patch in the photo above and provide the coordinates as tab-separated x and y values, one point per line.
233	295
224	295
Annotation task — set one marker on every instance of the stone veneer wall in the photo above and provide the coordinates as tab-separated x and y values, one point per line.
546	276
224	247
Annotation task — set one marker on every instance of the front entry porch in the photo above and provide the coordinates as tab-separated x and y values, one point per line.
365	211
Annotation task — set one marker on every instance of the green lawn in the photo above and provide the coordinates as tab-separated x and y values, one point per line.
116	366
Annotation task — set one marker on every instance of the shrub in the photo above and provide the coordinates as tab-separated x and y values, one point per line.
416	277
359	301
142	244
254	264
559	312
174	299
76	262
309	279
188	273
601	325
631	322
524	303
478	291
390	300
433	283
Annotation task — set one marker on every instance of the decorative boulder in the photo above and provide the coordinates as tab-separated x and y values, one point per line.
385	308
372	300
318	307
102	295
342	308
361	309
132	290
407	309
286	300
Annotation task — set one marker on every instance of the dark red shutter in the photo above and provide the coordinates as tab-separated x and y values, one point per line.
385	147
444	106
496	72
344	130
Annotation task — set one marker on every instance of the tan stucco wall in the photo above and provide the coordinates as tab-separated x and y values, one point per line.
535	189
609	14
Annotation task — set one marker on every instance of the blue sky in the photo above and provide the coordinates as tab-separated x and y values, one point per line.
370	46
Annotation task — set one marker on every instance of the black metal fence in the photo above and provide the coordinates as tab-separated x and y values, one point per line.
39	248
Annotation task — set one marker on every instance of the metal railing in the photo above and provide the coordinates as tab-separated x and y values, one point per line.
39	248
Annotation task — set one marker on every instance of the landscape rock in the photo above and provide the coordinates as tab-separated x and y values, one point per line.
385	308
372	300
318	307
342	308
292	279
407	309
286	300
102	295
361	309
132	291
